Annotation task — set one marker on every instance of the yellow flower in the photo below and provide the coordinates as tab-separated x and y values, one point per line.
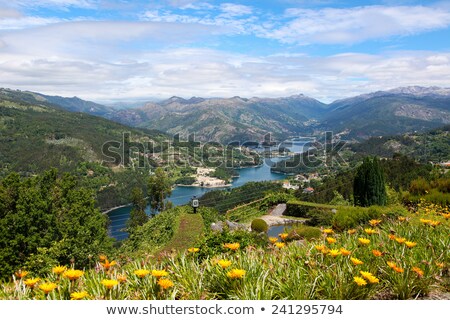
331	240
345	252
425	221
370	231
446	215
377	253
363	241
401	219
369	276
236	274
159	273
141	273
224	263
374	222
72	274
334	253
283	236
273	240
400	240
359	281
410	244
440	265
121	278
165	283
48	287
279	245
418	271
356	261
392	237
232	246
351	231
21	274
102	257
107	265
109	283
78	295
322	248
31	282
59	270
193	250
328	231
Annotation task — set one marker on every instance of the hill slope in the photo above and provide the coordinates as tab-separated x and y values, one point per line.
35	135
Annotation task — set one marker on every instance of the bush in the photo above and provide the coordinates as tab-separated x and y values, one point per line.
319	217
304	232
302	208
274	199
259	225
419	187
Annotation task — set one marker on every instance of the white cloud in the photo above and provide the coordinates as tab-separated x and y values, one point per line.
8	13
352	25
235	10
55	3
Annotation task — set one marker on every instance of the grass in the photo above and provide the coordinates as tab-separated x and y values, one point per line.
404	257
188	229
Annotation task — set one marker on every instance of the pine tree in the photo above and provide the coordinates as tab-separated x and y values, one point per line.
369	184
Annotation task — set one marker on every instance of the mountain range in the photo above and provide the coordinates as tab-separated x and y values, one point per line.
379	113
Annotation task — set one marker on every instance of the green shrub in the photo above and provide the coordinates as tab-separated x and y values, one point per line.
274	199
419	187
304	232
212	244
319	217
301	208
259	225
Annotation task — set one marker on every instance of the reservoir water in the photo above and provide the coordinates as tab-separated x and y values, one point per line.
182	195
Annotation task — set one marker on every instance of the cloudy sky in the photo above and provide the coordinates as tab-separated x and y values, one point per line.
112	50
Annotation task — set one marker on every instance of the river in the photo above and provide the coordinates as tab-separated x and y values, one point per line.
182	195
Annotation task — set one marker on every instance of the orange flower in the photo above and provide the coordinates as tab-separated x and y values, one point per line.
392	237
377	253
345	252
165	283
446	215
232	246
398	269
102	257
48	287
283	236
21	274
418	271
107	265
434	223
440	265
122	278
401	219
391	264
351	231
331	240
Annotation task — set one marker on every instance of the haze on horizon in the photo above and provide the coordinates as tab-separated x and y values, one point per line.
111	50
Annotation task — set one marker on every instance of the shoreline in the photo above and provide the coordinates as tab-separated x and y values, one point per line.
206	187
118	207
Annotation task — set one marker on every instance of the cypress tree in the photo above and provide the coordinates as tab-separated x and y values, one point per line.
369	184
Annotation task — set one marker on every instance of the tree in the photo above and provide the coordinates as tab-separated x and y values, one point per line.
48	212
137	215
159	188
369	184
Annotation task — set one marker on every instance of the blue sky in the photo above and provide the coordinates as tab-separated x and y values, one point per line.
112	50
